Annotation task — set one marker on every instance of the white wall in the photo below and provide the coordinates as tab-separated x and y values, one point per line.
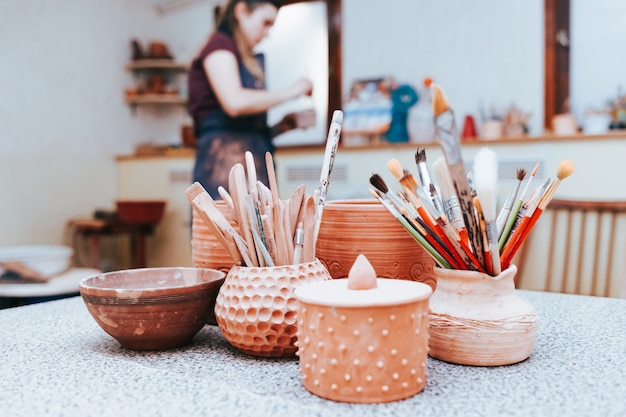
598	31
62	113
487	52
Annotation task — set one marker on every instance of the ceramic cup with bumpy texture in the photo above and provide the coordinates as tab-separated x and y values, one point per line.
256	308
363	346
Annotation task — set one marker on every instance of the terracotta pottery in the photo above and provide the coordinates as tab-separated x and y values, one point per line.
206	251
351	227
256	307
152	308
477	319
363	346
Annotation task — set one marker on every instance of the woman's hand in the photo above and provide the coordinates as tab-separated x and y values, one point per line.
302	87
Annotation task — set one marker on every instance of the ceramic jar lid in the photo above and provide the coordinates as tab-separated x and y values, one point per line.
389	292
363	289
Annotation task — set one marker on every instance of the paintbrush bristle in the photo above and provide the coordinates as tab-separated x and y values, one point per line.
485	180
440	102
520	174
378	183
442	175
409	181
395	168
420	155
565	169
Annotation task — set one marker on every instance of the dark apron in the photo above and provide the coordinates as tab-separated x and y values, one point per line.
223	141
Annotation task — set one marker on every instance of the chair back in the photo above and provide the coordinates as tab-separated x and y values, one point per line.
577	247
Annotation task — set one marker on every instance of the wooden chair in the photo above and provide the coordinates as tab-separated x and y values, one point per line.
577	247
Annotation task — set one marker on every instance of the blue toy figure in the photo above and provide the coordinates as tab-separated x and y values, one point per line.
402	99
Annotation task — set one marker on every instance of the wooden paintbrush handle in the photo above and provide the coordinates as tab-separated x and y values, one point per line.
461	186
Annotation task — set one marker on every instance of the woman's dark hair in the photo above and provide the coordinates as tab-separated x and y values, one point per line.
227	23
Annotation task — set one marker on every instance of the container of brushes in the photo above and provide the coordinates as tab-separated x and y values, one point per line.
256	308
206	250
476	319
351	227
365	344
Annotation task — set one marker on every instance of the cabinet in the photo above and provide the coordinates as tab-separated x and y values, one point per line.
157	81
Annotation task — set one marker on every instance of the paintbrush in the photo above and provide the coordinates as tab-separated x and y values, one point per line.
564	170
446	231
394	166
432	238
510	222
485	181
379	183
450	200
488	267
524	215
508	204
332	141
423	173
448	137
407	226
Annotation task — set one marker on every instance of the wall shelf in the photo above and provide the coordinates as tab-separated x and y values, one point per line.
156	99
165	71
156	64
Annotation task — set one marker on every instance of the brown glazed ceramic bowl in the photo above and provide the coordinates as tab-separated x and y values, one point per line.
146	212
152	308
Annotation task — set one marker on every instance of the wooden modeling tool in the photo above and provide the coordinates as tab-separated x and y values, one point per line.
238	192
197	196
308	229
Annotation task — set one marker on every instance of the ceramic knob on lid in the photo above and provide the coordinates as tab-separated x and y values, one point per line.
363	339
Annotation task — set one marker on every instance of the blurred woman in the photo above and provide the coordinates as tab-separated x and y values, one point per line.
227	97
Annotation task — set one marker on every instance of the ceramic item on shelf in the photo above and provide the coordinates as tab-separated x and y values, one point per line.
206	251
492	130
363	344
152	308
477	319
564	124
350	227
256	308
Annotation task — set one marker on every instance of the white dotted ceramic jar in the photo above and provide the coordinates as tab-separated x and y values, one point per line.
363	346
256	308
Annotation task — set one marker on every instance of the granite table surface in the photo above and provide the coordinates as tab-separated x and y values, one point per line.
56	361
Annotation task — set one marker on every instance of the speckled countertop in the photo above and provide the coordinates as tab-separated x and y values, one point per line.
56	361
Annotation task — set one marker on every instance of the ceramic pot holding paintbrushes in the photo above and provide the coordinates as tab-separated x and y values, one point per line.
256	308
477	319
350	227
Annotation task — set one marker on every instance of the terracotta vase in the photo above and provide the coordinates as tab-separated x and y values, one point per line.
206	251
476	319
256	308
363	346
351	227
